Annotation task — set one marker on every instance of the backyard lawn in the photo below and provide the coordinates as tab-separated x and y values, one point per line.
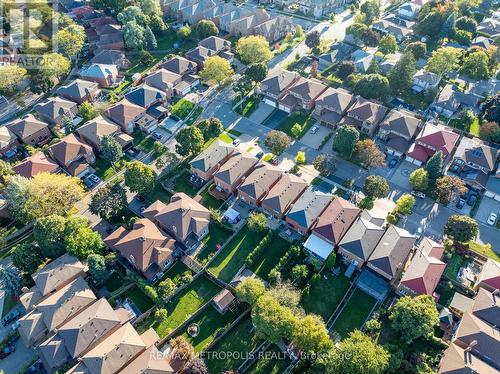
323	296
183	305
232	257
139	298
241	338
114	282
208	200
217	234
303	119
211	324
273	362
181	183
354	313
270	258
454	264
175	271
485	250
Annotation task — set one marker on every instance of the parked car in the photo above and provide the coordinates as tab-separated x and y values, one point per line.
460	203
393	163
35	368
260	155
472	199
11	317
418	194
7	350
156	135
140	199
236	142
314	129
492	219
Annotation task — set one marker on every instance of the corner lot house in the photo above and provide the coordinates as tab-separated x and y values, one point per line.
283	194
257	185
306	210
276	85
35	164
56	111
364	115
145	247
209	161
397	130
30	131
233	171
72	155
331	105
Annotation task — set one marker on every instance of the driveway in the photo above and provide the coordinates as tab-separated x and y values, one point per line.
22	356
487	206
275	119
261	113
400	176
314	140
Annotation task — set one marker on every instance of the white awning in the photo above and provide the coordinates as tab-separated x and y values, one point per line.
231	215
318	246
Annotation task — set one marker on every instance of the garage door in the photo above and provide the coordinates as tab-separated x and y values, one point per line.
270	102
284	108
413	161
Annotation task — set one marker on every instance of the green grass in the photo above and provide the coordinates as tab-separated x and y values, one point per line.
181	184
303	119
268	157
182	306
127	81
354	313
273	362
217	234
475	127
248	106
485	250
192	119
454	264
104	169
175	271
323	296
159	193
208	201
182	108
211	324
241	338
123	218
139	298
232	257
270	257
114	282
225	138
143	142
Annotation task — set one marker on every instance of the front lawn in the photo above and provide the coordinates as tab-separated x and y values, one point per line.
142	141
192	119
248	106
354	313
139	298
305	120
182	108
181	184
104	169
274	361
232	257
158	193
217	234
241	339
324	294
485	250
270	257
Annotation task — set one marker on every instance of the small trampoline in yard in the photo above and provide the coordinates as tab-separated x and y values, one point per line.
373	285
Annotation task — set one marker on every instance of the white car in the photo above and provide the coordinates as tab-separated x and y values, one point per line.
236	142
492	219
314	129
418	194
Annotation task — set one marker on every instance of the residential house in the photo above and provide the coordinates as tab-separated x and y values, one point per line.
57	111
397	130
331	106
183	218
276	85
362	59
181	66
209	47
228	19
125	114
104	75
364	115
73	155
424	80
223	301
302	95
30	131
330	228
409	10
489	278
283	194
338	52
306	210
319	8
450	100
458	360
196	11
390	60
146	96
8	142
490	26
474	161
216	44
172	83
79	91
210	160
483	88
35	164
145	247
398	27
152	360
258	184
391	253
233	171
245	25
111	57
425	270
93	132
274	29
432	138
482	42
360	241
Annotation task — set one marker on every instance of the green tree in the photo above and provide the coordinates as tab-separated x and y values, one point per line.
83	242
10	280
325	164
149	38
87	111
257	72
5	172
139	177
299	273
368	154
211	128
461	228
299	32
253	49
344	69
356	30
189	141
111	150
448	25
216	69
161	315
151	8
166	289
345	139
26	257
257	222
372	86
388	44
277	141
49	233
108	201
434	166
184	32
375	187
417	49
250	290
97	268
476	65
490	108
296	130
10	77
371	10
466	24
419	180
446	187
490	131
54	66
405	204
300	158
463	37
313	39
70	39
414	317
444	60
310	335
401	75
272	321
205	28
134	35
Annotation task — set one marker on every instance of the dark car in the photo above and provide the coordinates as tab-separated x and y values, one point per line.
157	135
260	155
7	350
11	317
140	199
472	199
35	368
460	203
393	163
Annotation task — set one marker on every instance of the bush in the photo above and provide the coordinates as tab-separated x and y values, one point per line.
392	218
263	244
366	203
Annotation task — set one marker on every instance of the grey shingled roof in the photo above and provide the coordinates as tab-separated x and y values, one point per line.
361	238
260	180
278	80
309	206
212	156
401	122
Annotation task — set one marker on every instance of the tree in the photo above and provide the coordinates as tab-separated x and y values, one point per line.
444	60
250	290
419	180
157	25
253	49
166	289
388	44
299	32
375	187
414	317
355	354
371	10
344	69
205	28
54	66
69	40
277	141
344	141
108	201
211	128
5	172
149	38
139	177
325	164
310	335
184	32
10	280
196	366
313	39
434	166
401	75
257	72
272	321
405	204
490	109
151	8
97	268
467	24
26	257
356	30
430	25
373	86
461	228
446	187
216	69
10	77
87	111
368	154
417	49
189	141
476	65
463	37
448	25
161	315
182	347
49	234
299	273
134	35
300	158
111	150
370	38
132	13
257	222
296	130
490	131
83	242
